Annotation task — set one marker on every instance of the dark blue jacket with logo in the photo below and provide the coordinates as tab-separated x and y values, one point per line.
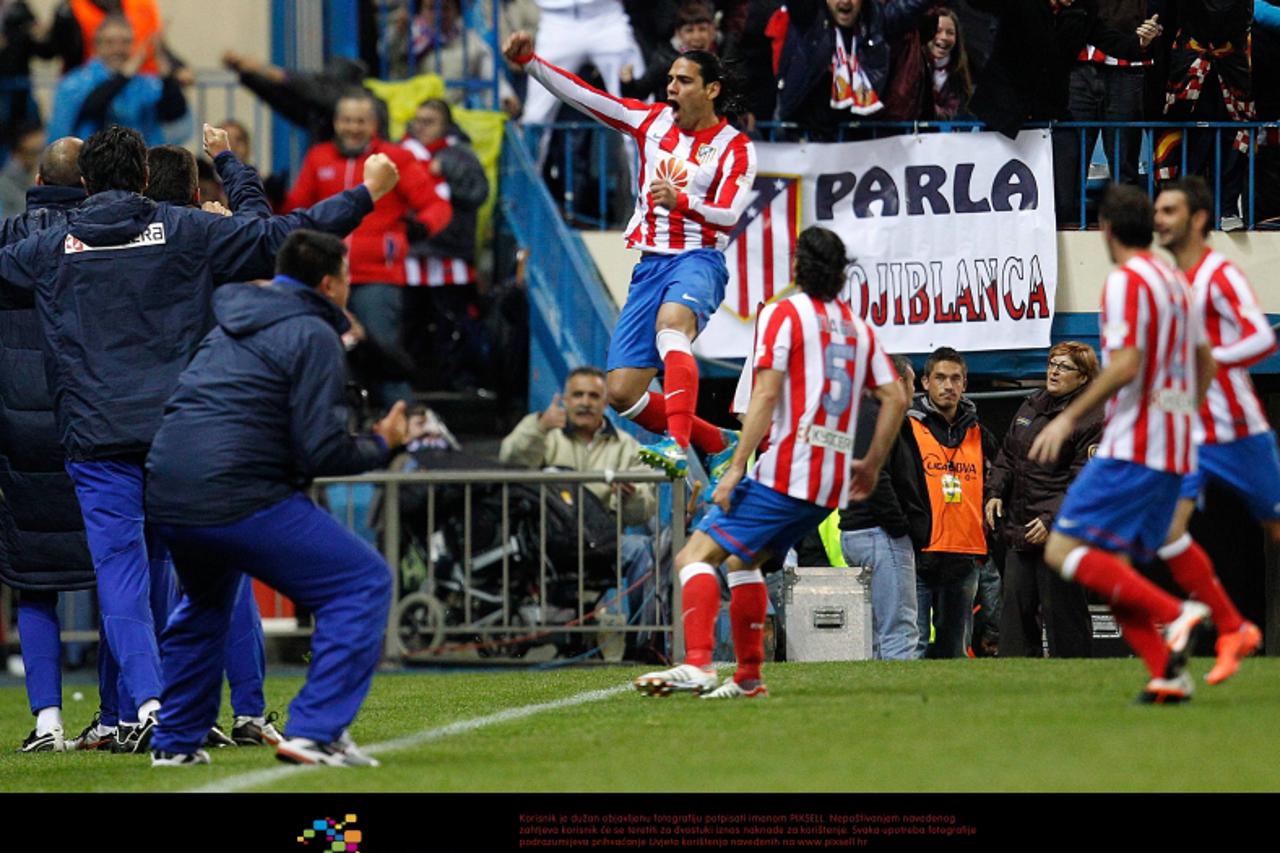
124	291
259	412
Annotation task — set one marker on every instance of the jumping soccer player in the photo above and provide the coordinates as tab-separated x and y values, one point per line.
695	178
813	358
1158	367
1236	446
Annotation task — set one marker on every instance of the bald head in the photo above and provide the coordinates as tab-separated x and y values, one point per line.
59	165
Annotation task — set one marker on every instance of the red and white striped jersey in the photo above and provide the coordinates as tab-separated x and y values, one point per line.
713	169
1147	305
429	270
830	357
1240	336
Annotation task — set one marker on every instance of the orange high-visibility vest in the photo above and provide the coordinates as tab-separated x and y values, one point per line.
953	479
142	15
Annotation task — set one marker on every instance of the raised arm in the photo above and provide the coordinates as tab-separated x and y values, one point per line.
242	249
625	115
245	193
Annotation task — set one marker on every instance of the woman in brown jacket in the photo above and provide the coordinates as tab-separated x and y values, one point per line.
1022	499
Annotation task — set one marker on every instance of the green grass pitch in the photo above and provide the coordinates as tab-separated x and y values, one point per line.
924	726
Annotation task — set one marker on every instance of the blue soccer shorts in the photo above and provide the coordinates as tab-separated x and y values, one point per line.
695	279
1121	507
1250	467
761	518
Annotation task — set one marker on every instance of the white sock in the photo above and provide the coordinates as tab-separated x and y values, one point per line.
48	719
148	708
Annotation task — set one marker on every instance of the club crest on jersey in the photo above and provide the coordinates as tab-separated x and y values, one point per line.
705	154
673	172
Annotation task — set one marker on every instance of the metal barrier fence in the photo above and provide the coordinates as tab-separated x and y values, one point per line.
456	604
1106	138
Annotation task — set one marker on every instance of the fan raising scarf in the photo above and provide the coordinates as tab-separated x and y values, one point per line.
850	88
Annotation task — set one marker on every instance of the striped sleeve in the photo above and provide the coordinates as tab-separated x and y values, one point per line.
734	190
1234	301
1120	311
774	347
626	115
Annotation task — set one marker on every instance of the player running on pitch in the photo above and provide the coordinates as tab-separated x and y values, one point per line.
1120	507
813	358
695	178
1236	446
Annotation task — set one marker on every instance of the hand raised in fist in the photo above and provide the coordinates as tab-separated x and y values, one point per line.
380	175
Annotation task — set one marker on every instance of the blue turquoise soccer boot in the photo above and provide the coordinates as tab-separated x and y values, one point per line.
718	463
666	456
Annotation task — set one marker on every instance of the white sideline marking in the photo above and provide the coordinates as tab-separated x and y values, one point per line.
265	777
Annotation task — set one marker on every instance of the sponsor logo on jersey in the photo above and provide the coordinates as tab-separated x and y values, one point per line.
153	235
673	172
1023	422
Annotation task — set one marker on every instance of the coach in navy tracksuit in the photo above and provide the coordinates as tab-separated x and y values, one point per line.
123	295
263	402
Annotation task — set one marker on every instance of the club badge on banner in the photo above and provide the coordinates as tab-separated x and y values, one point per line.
952	237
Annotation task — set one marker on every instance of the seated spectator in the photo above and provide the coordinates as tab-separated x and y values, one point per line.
1036	45
445	47
440	306
110	89
1023	498
834	65
930	78
19	174
573	434
695	30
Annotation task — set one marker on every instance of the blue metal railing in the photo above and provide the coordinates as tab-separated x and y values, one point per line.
571	314
473	89
576	180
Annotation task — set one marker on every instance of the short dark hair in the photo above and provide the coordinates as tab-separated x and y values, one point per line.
173	175
1195	190
1127	211
309	256
821	263
945	354
114	158
441	106
356	93
586	370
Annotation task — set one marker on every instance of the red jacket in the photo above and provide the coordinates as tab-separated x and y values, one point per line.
379	245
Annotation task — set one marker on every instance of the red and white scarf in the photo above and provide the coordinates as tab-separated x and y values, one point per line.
850	87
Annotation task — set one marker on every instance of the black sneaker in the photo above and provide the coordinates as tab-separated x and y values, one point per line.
94	736
217	738
178	759
50	741
133	738
248	731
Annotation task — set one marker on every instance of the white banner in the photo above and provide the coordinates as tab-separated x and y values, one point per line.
952	237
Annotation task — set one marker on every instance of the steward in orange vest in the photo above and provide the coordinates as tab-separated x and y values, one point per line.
950	452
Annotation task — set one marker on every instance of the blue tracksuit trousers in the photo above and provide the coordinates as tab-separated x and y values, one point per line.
304	553
110	495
